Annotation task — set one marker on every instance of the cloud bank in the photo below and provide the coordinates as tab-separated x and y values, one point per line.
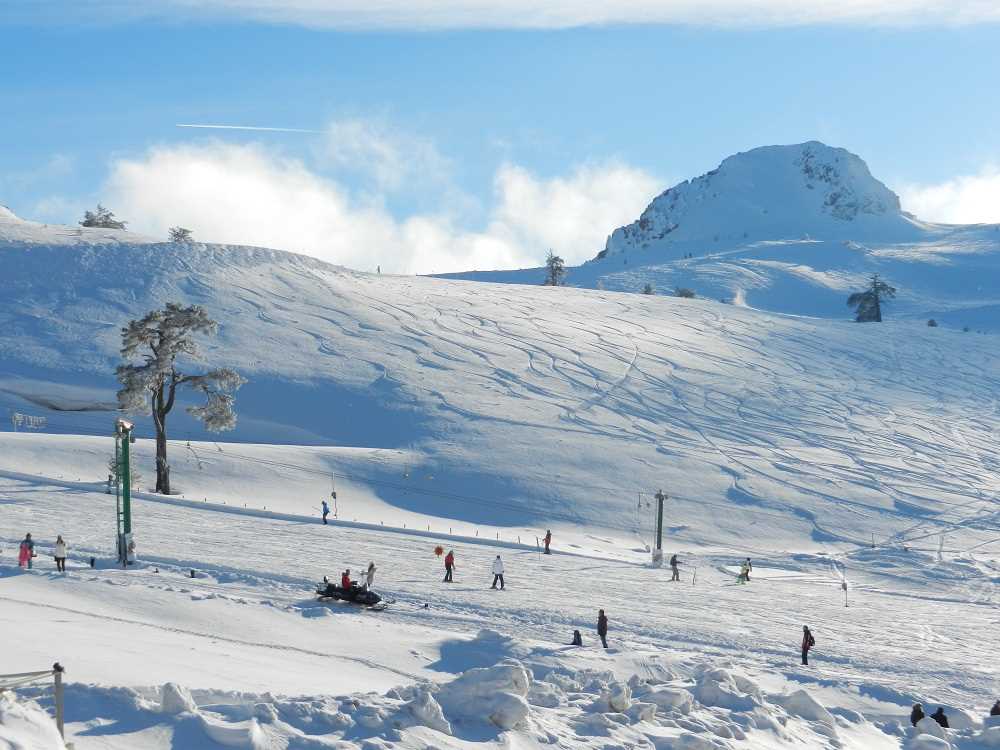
248	194
967	199
524	14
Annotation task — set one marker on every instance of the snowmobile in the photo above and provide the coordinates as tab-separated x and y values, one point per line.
355	595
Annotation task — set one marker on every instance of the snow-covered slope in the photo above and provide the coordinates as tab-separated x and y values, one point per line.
796	229
528	406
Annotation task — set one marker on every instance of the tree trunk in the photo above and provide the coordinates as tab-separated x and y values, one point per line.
160	422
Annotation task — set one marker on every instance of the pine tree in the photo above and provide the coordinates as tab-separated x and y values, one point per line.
555	270
868	304
180	235
101	217
648	289
683	291
159	338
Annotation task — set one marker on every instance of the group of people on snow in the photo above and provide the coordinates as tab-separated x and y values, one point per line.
347	584
940	716
26	553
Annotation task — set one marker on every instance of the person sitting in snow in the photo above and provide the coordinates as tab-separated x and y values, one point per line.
345	580
916	714
995	711
578	639
940	718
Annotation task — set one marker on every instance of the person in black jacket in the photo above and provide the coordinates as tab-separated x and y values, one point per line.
807	643
995	711
675	573
939	717
602	627
916	714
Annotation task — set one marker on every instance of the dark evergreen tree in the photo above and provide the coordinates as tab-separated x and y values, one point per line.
868	304
555	270
180	235
683	291
101	217
648	289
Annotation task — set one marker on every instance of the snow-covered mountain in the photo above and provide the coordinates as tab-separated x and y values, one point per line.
795	229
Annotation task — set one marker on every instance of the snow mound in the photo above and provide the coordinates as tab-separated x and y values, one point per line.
24	725
716	686
175	699
498	693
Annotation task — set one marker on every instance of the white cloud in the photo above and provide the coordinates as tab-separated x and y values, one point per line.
452	14
967	199
247	194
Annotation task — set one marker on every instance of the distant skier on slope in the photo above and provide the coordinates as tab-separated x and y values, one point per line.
498	573
449	566
675	574
326	511
25	552
916	714
370	575
807	643
940	717
60	554
548	540
602	627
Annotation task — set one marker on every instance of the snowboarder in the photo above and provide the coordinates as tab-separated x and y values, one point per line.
60	554
940	718
326	511
577	639
916	714
370	575
449	565
25	552
548	540
995	711
807	643
602	627
498	573
675	574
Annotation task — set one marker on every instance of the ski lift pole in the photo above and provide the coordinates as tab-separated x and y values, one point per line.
658	551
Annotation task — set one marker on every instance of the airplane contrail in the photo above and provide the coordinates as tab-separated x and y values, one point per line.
247	127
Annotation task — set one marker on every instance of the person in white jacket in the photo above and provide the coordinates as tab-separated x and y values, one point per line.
497	573
60	554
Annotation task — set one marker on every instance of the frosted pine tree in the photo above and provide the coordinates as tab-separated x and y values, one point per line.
151	386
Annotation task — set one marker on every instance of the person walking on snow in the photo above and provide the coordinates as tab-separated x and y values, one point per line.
449	565
807	643
995	711
749	567
326	511
497	573
940	718
744	573
25	552
60	554
916	714
548	540
370	575
675	573
602	627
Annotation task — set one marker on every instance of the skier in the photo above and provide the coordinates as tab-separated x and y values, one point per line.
548	540
995	711
498	573
602	627
749	567
326	511
807	643
26	551
916	714
577	639
449	565
940	718
675	573
370	575
60	554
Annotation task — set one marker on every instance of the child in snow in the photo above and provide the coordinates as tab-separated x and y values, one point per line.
602	627
940	718
577	639
916	714
498	573
449	565
60	554
26	551
370	575
807	643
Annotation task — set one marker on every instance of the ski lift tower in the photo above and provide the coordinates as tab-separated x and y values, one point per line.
124	438
658	550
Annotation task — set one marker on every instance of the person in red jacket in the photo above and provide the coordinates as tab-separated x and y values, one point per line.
449	565
345	580
807	643
548	541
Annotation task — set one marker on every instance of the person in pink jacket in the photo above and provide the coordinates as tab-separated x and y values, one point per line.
25	552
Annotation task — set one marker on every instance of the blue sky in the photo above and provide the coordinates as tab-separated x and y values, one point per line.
447	135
